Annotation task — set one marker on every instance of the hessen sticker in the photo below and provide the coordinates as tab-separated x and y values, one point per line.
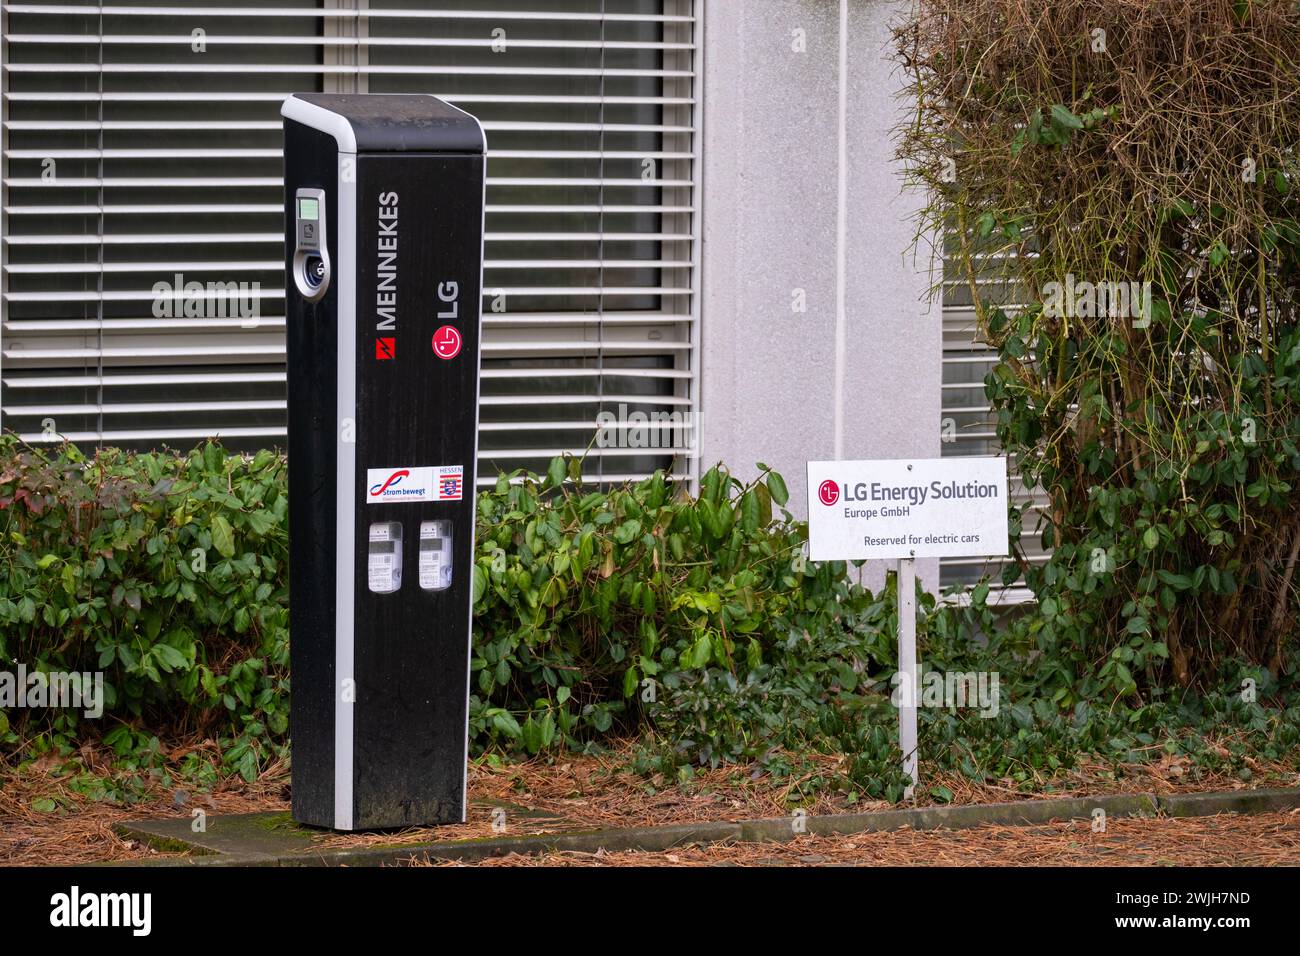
440	483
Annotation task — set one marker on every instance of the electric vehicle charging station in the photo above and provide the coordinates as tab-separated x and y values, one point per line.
384	199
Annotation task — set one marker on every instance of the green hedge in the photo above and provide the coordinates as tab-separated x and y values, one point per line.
596	612
168	572
604	612
691	622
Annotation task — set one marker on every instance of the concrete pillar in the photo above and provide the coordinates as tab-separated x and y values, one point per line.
787	224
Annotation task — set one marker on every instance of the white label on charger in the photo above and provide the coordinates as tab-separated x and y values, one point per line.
439	483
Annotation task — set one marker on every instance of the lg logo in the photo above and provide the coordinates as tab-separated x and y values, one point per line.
828	492
446	342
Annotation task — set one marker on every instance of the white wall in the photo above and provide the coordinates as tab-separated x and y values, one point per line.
771	224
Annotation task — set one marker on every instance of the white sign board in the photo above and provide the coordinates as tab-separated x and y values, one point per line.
917	508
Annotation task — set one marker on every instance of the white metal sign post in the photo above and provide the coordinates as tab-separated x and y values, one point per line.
904	510
908	668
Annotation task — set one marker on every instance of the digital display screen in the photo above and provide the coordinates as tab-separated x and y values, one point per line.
308	209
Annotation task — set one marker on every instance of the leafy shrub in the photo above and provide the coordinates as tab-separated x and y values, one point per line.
1163	436
820	691
168	573
602	612
693	622
597	612
1039	729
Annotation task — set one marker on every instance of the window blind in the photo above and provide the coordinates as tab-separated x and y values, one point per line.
967	426
142	151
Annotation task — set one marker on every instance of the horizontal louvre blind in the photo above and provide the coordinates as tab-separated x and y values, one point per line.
968	422
142	142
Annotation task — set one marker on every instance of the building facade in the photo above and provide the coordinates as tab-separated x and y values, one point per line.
699	247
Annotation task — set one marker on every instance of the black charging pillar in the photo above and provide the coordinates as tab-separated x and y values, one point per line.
384	257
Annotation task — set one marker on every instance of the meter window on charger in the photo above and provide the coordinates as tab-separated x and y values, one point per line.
435	555
308	209
384	558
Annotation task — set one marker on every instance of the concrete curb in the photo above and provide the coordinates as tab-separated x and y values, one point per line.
1242	801
952	818
777	829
